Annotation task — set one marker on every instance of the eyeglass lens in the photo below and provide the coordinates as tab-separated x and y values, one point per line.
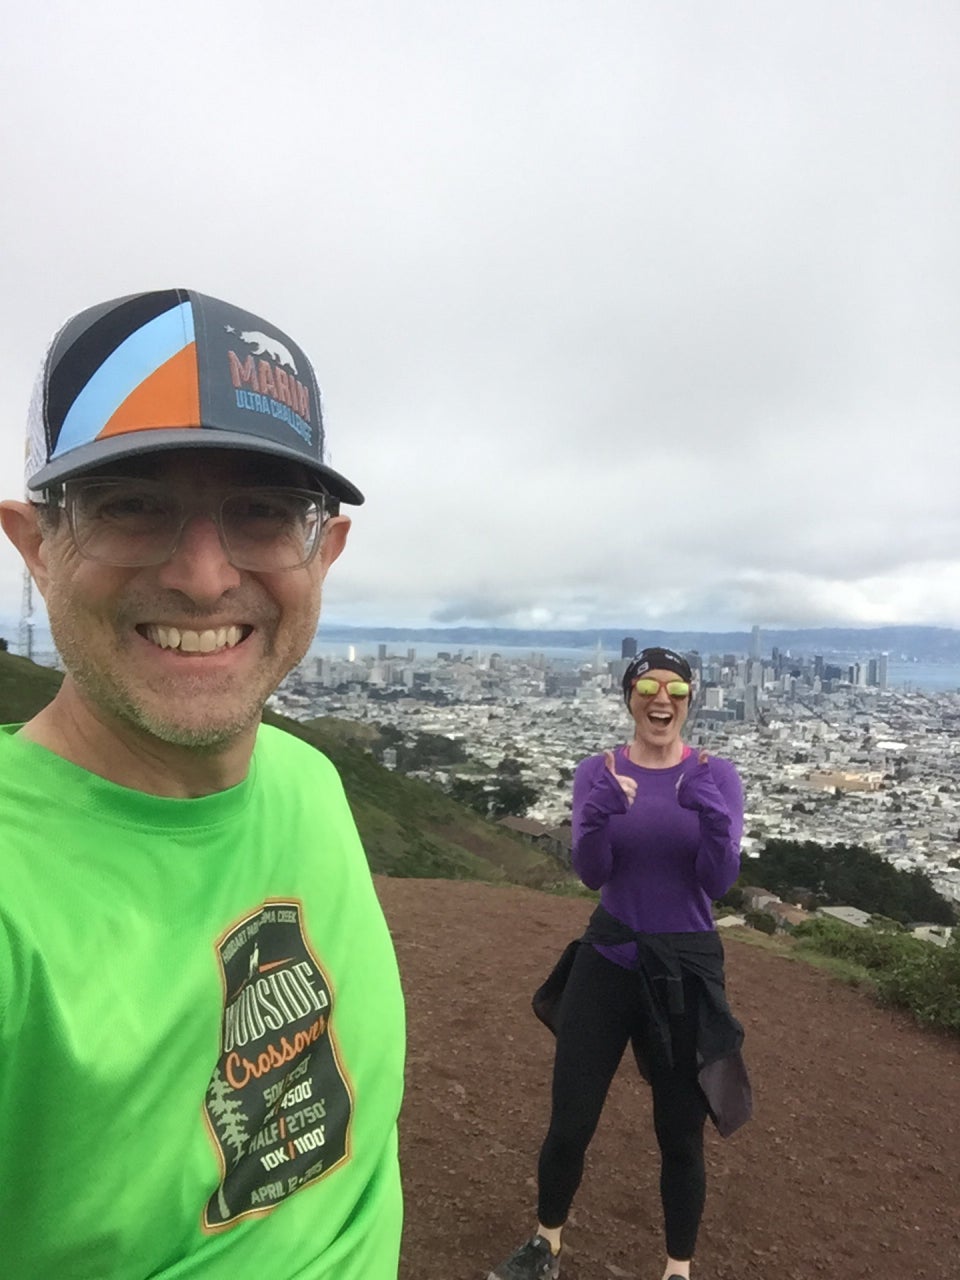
133	523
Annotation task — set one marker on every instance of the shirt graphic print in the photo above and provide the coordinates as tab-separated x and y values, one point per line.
278	1105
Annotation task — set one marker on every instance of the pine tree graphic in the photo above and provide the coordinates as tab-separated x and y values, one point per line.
230	1120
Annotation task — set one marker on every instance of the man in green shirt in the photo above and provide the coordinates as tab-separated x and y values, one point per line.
201	1025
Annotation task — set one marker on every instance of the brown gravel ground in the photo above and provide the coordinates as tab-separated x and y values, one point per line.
850	1167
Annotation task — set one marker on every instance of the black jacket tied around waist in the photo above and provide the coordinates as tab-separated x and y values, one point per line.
663	960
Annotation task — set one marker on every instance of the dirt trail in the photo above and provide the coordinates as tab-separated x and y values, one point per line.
850	1168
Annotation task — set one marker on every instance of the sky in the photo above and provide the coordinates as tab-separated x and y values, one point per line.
624	313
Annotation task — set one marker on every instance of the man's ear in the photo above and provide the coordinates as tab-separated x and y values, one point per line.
334	539
21	524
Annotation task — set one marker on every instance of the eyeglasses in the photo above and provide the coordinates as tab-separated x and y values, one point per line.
648	687
136	523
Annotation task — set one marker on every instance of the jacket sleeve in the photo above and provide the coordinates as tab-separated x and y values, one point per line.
597	796
714	792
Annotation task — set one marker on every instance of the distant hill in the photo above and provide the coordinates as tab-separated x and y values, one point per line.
914	643
931	644
408	828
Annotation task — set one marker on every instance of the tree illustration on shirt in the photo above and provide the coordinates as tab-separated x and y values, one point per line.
224	1105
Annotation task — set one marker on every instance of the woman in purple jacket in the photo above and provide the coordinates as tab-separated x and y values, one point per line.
656	828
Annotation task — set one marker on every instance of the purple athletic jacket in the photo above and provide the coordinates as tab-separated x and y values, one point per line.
661	861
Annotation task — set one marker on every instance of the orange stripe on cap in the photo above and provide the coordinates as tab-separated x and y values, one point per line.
169	397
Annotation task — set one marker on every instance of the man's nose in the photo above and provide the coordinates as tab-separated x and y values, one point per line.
199	566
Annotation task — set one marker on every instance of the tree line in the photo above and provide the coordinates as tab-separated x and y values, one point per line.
848	875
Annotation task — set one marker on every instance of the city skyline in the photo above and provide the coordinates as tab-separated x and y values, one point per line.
825	753
618	310
908	657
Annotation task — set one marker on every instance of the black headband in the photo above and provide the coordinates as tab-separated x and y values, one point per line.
654	659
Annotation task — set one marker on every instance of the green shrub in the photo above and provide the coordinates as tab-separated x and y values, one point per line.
907	972
760	920
874	949
927	981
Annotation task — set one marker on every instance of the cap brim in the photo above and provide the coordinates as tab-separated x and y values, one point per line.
93	456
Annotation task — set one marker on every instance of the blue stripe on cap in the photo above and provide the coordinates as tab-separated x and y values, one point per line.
124	369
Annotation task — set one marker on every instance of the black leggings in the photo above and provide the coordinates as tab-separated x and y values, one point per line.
602	1011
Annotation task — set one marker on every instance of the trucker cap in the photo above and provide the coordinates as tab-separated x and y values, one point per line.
173	369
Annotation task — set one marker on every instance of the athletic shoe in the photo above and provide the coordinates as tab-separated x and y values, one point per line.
534	1260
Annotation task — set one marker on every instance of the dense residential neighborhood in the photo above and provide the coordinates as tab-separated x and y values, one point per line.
826	752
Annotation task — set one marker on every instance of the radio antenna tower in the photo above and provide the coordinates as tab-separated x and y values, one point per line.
25	638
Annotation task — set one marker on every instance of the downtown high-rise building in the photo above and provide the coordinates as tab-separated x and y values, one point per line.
750	701
877	671
628	647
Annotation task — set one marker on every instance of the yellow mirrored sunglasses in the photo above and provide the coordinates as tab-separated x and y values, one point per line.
648	687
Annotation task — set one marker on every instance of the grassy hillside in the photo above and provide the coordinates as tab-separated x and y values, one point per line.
24	688
408	828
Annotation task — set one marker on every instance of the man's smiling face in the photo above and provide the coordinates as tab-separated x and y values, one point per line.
187	651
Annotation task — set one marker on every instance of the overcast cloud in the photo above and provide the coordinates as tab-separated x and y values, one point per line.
624	312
